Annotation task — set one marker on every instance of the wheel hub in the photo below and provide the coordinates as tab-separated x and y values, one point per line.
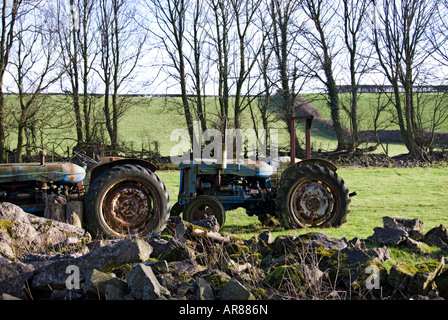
312	203
202	211
202	207
129	206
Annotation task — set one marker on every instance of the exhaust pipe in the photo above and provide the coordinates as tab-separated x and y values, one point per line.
223	164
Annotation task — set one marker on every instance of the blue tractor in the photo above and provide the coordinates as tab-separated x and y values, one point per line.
308	194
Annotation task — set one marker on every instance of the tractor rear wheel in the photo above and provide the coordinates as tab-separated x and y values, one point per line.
312	197
202	207
126	200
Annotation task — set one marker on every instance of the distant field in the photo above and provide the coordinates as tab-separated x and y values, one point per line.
156	118
153	119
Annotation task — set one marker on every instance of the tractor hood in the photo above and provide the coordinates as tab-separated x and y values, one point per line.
245	168
249	168
63	173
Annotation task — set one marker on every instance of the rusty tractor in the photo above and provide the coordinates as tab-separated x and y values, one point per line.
124	196
307	194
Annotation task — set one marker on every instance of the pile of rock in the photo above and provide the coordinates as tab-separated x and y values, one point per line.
202	264
22	234
409	233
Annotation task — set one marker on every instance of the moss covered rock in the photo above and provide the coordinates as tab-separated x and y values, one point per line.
179	253
442	282
236	250
217	279
401	274
286	277
28	234
425	276
234	290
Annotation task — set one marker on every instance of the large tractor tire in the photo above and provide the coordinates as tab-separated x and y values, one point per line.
312	197
126	200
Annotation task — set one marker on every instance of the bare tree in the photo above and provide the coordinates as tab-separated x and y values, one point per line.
11	12
439	35
78	46
403	47
121	45
218	35
35	61
355	27
250	41
321	43
291	65
196	40
171	20
377	107
265	102
267	83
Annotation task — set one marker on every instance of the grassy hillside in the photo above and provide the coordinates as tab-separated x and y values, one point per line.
160	116
369	101
150	120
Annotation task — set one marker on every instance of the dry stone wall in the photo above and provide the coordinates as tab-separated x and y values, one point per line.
46	259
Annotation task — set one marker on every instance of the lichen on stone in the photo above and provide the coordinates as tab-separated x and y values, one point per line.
7	226
284	276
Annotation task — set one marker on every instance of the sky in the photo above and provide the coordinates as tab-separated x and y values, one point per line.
152	73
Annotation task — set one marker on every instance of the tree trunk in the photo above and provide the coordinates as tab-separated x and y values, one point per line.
20	140
75	83
333	94
197	69
114	135
85	78
2	124
223	59
354	117
334	108
78	120
182	74
6	40
354	101
107	112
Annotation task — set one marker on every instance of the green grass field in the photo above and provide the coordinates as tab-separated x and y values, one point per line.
396	192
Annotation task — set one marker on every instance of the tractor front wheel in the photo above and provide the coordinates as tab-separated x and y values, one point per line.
202	207
312	197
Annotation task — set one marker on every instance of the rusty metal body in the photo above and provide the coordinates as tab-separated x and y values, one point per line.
59	173
234	183
123	196
29	184
240	184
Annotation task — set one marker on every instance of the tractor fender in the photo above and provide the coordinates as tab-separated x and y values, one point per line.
100	169
310	162
318	161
